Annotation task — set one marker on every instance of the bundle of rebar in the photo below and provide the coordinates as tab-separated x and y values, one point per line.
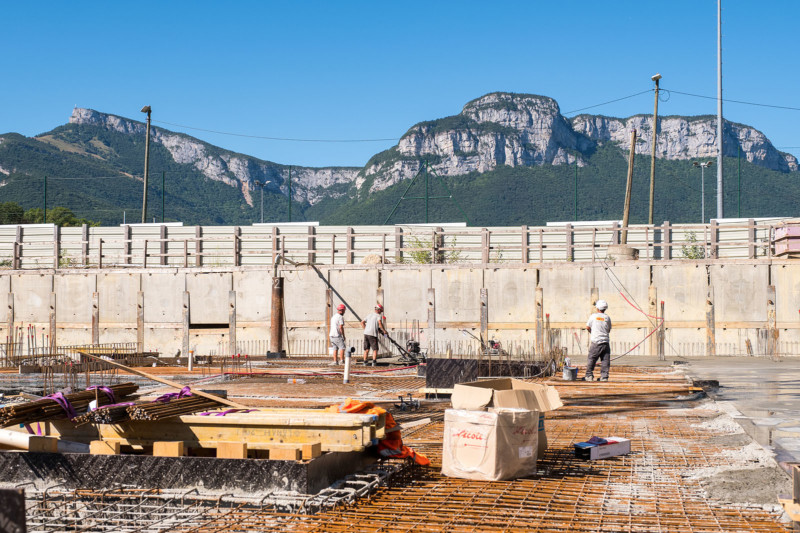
59	407
108	414
181	406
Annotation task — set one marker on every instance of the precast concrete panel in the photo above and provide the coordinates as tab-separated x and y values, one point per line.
566	292
163	297
405	294
74	298
166	341
458	294
786	279
32	297
5	288
253	296
512	294
209	295
304	295
115	334
118	298
633	282
683	289
740	293
357	289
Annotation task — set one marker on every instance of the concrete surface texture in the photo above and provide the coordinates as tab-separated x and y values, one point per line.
711	307
761	395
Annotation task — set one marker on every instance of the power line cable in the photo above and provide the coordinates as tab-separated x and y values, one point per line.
606	103
734	101
278	138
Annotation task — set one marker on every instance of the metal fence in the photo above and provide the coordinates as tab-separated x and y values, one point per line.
152	245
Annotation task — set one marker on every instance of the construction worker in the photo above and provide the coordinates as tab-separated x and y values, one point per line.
337	334
599	326
373	325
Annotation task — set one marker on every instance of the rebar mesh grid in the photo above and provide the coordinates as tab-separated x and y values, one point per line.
652	489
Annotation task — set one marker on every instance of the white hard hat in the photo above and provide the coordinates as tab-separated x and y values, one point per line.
602	305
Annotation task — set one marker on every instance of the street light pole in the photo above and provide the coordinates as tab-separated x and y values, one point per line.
146	109
703	166
653	152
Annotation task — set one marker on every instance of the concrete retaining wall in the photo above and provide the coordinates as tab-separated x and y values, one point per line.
711	307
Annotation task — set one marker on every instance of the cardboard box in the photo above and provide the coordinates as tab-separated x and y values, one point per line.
493	445
615	446
508	393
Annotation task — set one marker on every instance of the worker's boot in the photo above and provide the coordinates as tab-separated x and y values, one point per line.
588	378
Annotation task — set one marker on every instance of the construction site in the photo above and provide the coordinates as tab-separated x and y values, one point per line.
199	392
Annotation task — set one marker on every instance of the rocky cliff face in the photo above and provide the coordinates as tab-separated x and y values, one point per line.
522	129
494	130
686	138
236	170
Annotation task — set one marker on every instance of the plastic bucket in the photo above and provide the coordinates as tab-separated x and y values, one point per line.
570	373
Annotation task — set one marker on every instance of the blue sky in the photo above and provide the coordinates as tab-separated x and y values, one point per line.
370	70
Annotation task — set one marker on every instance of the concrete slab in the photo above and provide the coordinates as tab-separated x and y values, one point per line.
163	297
253	296
567	293
118	297
405	293
209	297
458	295
512	295
683	289
74	303
304	296
763	396
32	297
740	292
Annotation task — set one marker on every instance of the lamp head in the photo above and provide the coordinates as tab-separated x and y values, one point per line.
656	77
146	109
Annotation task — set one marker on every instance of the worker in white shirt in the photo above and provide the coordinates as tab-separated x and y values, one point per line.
337	334
599	326
373	326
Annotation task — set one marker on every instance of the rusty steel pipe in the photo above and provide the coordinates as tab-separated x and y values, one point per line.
276	316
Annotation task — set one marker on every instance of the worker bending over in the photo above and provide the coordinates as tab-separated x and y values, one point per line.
599	326
372	326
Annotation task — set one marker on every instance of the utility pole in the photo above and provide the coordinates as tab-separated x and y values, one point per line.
262	201
627	210
146	109
653	152
720	212
45	200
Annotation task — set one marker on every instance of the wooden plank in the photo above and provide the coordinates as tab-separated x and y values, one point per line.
232	450
103	447
398	244
162	245
186	323
56	246
485	243
349	246
751	238
52	318
281	453
312	245
237	246
42	444
666	241
84	244
198	246
485	314
570	242
311	450
524	237
169	382
169	449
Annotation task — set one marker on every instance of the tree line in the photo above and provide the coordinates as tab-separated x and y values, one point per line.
13	213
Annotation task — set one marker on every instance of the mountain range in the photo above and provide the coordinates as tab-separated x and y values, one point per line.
505	159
